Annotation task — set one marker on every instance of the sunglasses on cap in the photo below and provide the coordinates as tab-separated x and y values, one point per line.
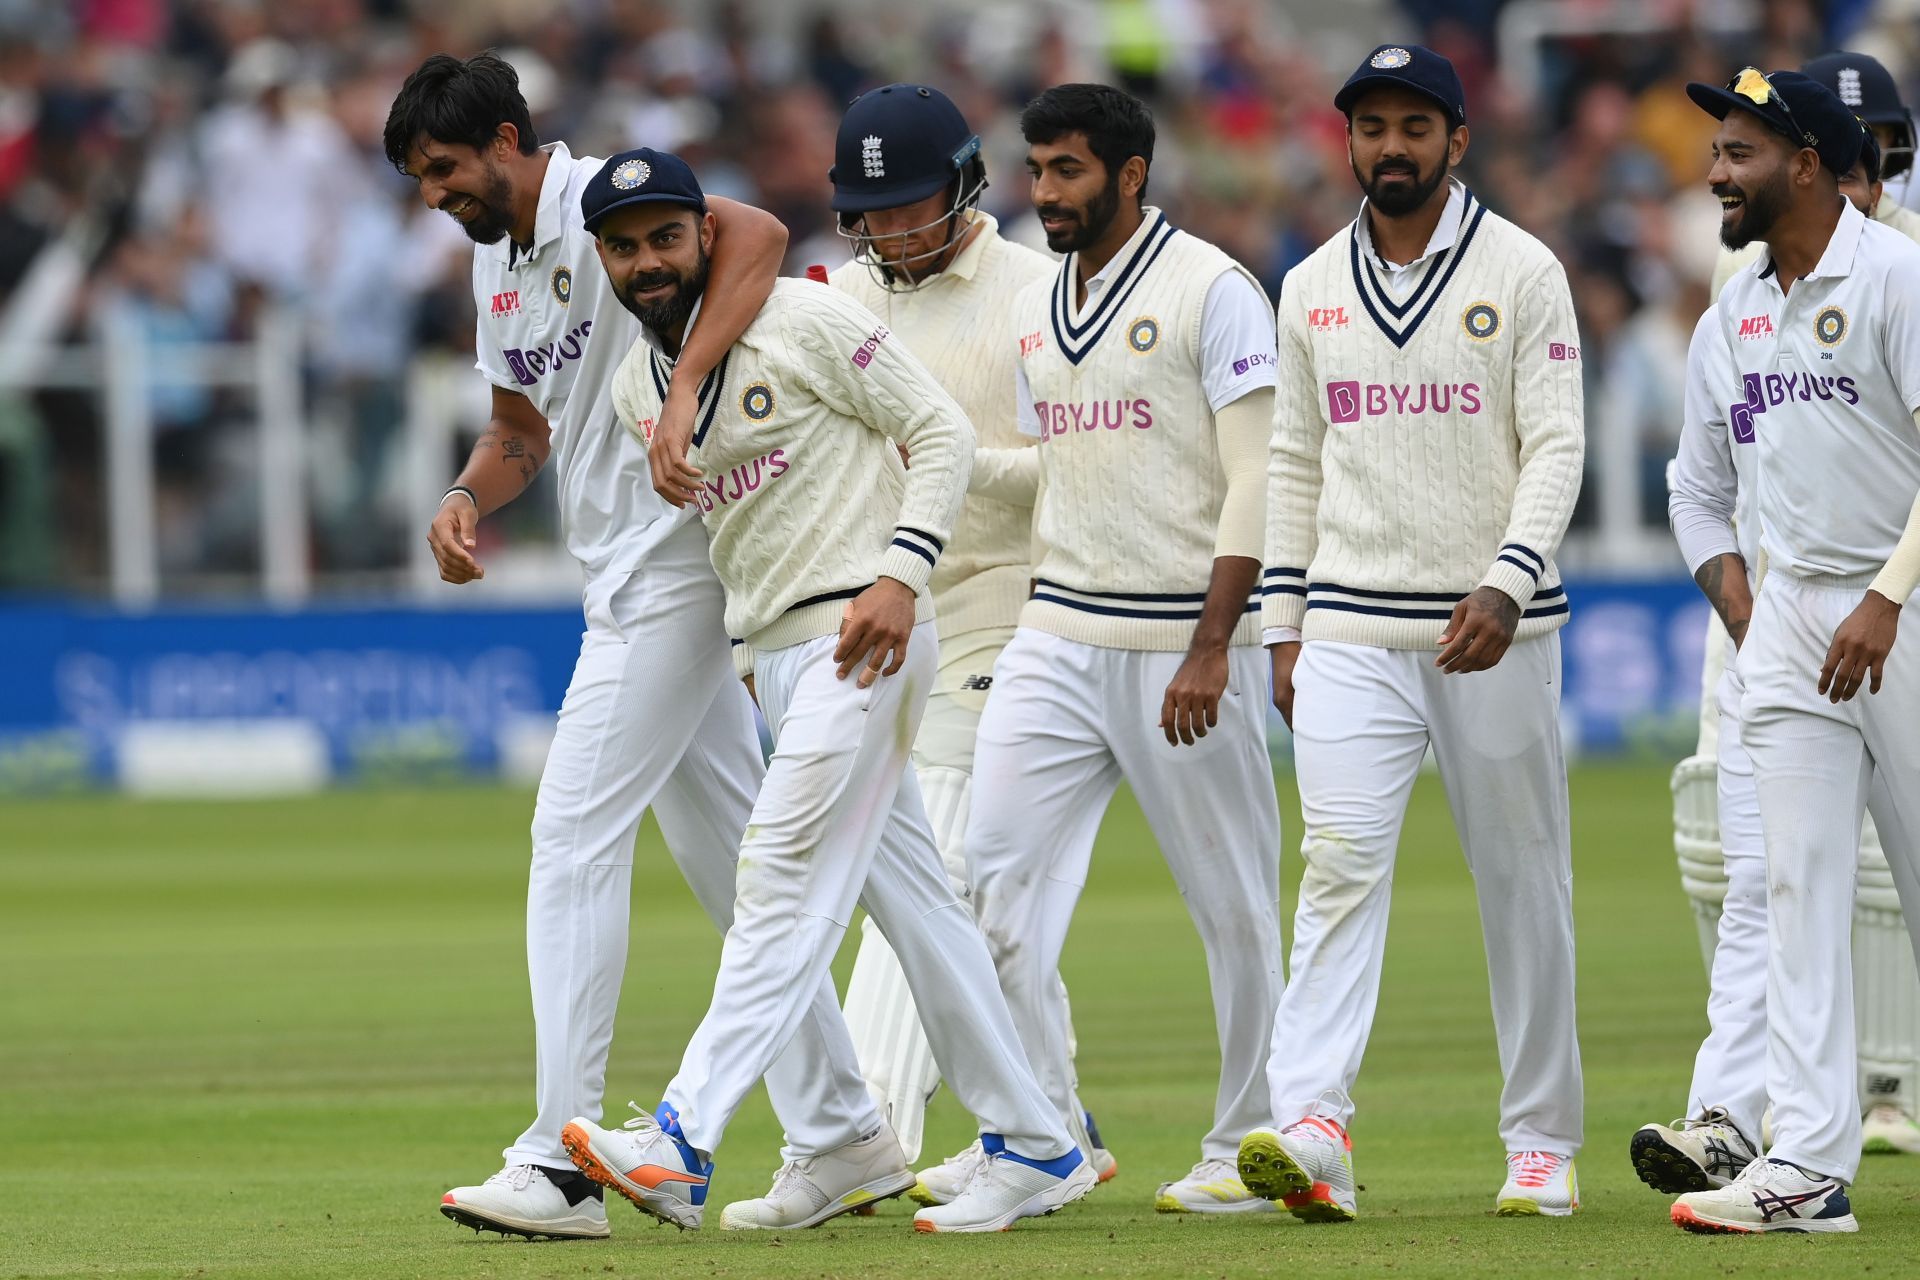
1753	85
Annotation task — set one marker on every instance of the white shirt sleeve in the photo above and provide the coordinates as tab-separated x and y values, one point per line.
1025	416
1706	487
1237	352
1902	329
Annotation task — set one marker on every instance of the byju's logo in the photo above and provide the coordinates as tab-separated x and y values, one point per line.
1740	418
1765	391
1348	402
1253	361
535	363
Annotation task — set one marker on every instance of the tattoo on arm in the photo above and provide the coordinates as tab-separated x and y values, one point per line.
513	447
1712	580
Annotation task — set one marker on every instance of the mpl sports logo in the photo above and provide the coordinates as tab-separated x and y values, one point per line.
1030	344
534	363
505	304
1753	328
864	356
1348	402
1327	319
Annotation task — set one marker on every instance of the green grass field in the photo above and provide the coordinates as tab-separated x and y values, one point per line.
261	1039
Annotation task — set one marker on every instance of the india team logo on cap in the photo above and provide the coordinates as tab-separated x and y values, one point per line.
1481	321
631	174
1390	59
757	402
1830	326
1143	334
563	285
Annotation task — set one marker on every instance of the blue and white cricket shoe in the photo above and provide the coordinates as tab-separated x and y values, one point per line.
1008	1187
1769	1195
647	1160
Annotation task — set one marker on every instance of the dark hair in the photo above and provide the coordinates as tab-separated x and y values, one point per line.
448	100
1117	125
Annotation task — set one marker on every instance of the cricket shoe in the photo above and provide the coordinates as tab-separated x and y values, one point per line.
1538	1182
1887	1130
807	1192
1695	1154
943	1183
527	1200
1769	1195
1307	1168
1087	1134
647	1161
1009	1187
1213	1186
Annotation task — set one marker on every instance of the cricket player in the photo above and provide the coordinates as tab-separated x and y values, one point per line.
653	716
1824	347
907	180
826	544
1146	372
1717	813
1426	456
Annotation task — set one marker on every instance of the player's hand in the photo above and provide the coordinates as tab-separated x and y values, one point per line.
1479	632
1192	704
451	537
752	692
1860	647
674	478
876	623
1284	658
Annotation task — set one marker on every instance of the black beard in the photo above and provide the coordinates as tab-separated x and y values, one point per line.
1091	225
1397	202
672	311
491	223
1759	215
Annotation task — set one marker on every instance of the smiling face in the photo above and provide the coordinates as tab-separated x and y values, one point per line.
468	184
1752	177
1075	194
655	255
1401	149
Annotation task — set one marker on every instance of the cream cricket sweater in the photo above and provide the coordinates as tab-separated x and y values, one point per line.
1133	480
957	324
804	497
1425	445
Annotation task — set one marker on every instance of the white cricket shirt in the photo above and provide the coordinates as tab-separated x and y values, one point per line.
1830	373
551	329
1715	472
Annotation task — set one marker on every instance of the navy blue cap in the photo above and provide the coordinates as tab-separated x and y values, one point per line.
1409	66
1798	107
898	144
640	176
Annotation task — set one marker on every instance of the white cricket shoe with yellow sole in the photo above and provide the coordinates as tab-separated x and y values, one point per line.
1538	1182
811	1191
1213	1186
1306	1168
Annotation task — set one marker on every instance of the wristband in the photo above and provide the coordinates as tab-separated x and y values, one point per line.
460	488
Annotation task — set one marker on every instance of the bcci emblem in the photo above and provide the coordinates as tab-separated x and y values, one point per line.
757	402
563	285
1830	326
1481	321
632	174
1143	334
1390	59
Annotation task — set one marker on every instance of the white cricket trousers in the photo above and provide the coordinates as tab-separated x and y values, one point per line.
1066	723
1363	718
654	716
1730	1070
1818	766
839	822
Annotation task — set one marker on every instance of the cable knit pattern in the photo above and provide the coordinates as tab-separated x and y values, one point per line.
1422	446
957	324
1133	482
804	498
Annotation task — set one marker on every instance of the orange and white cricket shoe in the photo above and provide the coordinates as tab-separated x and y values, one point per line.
647	1161
1307	1168
1538	1182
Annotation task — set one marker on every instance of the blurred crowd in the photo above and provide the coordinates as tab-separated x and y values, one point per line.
208	162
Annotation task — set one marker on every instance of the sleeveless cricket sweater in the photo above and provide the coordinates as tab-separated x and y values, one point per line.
1132	479
956	324
1424	445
